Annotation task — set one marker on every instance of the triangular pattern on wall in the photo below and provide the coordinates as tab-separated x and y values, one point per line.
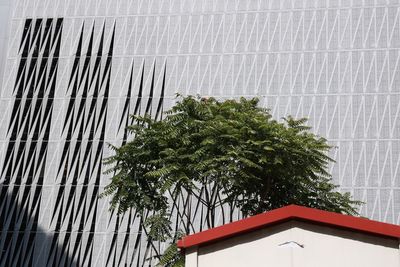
123	243
23	170
73	217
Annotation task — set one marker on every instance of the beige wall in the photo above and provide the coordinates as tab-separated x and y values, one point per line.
323	246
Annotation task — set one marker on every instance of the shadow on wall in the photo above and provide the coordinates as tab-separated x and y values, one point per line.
22	241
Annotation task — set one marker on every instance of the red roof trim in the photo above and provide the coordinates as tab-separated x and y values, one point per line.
289	213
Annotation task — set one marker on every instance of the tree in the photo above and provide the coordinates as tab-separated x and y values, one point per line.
233	147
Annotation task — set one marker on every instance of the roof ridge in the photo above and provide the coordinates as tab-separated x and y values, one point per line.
286	213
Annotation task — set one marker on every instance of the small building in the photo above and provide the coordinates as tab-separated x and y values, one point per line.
295	236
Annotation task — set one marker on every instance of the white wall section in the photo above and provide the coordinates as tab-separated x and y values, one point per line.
320	246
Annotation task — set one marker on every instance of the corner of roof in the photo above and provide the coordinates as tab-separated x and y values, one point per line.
180	242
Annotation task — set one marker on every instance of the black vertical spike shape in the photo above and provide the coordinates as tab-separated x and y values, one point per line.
159	110
150	100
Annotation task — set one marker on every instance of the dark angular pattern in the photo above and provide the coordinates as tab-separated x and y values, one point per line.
126	249
73	236
73	218
129	245
21	181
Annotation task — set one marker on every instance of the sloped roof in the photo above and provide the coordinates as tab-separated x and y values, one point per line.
291	212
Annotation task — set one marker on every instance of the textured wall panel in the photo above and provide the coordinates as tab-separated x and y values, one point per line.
71	81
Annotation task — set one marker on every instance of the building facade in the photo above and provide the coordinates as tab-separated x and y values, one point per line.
73	70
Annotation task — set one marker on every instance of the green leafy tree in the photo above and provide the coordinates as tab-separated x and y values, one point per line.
233	147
